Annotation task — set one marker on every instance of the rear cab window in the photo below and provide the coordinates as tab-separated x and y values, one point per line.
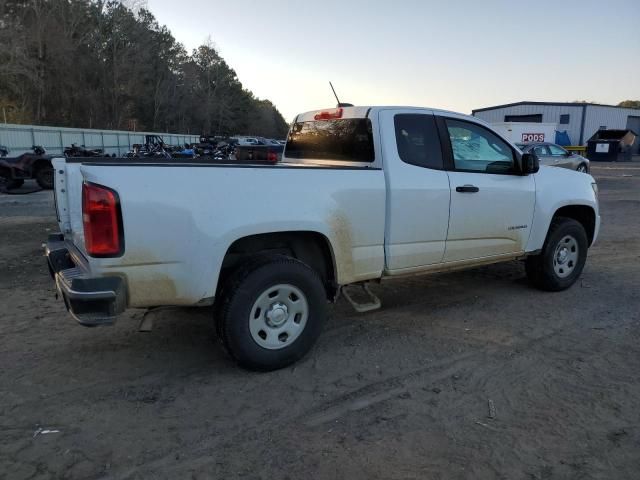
417	140
338	139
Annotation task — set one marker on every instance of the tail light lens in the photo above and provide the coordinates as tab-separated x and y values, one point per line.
102	220
272	157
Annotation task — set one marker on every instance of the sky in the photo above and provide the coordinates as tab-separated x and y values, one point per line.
455	55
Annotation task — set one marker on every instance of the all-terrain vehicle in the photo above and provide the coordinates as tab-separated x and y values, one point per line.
82	151
15	170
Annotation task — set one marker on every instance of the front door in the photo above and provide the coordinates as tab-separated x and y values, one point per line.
544	156
560	156
491	203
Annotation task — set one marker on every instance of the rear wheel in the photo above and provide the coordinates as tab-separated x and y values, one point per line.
562	258
271	313
44	177
9	184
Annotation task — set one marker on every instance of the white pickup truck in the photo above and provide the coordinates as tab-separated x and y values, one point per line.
361	193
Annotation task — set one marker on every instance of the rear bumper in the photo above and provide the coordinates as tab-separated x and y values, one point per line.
92	301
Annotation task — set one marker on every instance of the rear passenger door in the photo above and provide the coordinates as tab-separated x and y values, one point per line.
418	192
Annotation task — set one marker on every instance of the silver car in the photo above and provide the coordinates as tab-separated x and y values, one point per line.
556	156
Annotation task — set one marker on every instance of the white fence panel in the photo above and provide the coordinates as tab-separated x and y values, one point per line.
20	138
69	138
49	140
124	142
111	143
23	139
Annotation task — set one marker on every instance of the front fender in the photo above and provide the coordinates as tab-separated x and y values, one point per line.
557	188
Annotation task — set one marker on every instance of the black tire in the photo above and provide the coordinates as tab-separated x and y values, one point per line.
44	177
9	184
583	167
242	291
545	271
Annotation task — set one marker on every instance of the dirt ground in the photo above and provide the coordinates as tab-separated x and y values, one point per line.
401	393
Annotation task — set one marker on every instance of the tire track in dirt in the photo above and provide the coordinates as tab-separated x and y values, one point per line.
393	389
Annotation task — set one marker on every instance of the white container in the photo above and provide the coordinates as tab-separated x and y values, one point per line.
527	132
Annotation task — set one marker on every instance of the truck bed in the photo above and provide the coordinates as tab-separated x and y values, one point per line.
180	218
206	161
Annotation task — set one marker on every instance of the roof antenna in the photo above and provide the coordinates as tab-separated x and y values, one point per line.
337	99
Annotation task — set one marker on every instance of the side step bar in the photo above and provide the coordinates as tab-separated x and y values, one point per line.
373	304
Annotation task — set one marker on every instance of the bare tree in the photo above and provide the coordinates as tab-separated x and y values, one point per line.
109	64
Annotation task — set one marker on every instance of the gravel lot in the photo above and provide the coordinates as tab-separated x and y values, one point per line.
405	392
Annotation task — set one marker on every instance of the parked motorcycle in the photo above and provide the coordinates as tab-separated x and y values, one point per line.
150	150
76	151
224	151
153	146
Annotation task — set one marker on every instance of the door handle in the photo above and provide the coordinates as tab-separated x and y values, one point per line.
467	189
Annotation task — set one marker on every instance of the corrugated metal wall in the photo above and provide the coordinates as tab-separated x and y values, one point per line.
613	118
20	138
596	116
550	114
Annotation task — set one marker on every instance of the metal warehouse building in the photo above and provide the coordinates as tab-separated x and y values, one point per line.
580	120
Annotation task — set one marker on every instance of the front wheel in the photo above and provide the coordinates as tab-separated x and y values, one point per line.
562	258
582	168
272	312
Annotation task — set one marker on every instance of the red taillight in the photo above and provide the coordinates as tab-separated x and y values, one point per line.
328	114
272	157
101	220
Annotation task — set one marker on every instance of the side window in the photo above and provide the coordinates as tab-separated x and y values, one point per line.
417	140
477	149
557	151
541	150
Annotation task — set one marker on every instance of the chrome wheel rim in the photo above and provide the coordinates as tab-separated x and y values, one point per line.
582	168
278	316
565	257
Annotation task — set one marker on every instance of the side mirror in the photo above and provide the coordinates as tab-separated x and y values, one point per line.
530	163
568	154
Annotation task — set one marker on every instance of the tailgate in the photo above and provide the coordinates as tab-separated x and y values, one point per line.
67	193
